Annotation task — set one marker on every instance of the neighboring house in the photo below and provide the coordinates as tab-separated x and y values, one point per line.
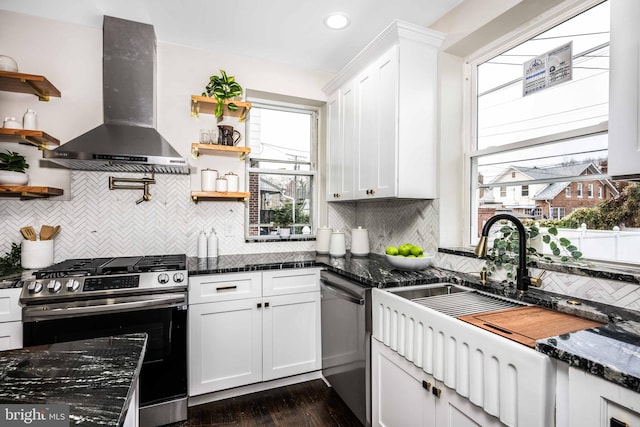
547	200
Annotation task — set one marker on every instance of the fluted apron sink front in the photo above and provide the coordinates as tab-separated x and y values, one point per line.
507	380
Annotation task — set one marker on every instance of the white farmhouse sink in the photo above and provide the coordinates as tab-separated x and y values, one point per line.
506	379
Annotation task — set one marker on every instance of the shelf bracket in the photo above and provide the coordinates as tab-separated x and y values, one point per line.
195	152
41	96
195	109
195	199
27	195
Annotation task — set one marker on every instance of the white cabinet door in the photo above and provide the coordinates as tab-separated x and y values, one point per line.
596	402
335	157
341	142
398	396
10	335
291	335
367	132
624	89
225	345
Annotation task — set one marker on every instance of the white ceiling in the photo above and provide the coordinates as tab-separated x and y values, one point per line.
284	31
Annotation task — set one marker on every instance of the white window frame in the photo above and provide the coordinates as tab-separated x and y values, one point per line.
579	190
590	191
567	191
313	173
547	20
524	189
600	192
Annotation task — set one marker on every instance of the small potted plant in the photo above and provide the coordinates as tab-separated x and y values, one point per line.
283	218
13	167
221	88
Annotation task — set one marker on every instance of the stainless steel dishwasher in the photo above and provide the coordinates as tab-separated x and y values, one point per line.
346	342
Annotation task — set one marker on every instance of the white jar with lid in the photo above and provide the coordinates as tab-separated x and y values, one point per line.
323	237
208	179
359	241
232	182
337	244
221	185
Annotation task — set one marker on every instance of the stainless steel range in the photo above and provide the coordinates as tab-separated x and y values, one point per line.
93	297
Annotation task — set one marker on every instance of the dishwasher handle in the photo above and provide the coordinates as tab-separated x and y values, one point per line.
342	293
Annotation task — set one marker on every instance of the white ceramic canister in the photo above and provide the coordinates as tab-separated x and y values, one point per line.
208	178
323	237
221	185
359	241
29	120
36	254
337	247
232	182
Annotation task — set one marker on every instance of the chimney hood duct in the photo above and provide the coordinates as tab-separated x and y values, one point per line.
128	140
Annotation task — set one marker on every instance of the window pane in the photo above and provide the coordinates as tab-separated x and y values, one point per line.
280	201
505	116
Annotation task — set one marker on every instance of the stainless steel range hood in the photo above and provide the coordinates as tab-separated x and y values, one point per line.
128	140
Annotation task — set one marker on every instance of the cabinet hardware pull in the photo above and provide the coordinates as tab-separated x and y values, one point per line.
266	305
226	288
613	422
372	192
436	391
259	305
426	385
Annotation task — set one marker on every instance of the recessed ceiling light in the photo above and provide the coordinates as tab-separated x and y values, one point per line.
336	21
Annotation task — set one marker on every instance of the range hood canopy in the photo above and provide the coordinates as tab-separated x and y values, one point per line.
128	140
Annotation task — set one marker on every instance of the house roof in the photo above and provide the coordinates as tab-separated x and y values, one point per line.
551	190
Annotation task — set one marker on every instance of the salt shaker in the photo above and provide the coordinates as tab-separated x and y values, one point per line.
29	120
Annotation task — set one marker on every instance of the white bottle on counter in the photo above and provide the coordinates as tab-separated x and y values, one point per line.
212	245
202	245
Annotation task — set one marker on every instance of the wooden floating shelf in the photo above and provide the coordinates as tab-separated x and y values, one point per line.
28	83
195	195
40	139
206	105
29	191
197	149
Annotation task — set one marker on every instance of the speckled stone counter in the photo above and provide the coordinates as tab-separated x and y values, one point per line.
95	377
611	352
372	270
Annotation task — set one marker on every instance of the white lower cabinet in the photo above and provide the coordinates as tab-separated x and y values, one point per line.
10	319
247	340
595	402
405	396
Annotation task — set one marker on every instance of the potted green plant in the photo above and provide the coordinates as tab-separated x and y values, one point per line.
221	88
504	251
13	167
283	218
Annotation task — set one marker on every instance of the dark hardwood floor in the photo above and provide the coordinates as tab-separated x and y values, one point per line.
307	404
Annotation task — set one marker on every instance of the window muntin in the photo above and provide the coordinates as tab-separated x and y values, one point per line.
281	172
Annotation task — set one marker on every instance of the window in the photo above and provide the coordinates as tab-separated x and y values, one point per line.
600	192
281	171
503	191
553	138
525	191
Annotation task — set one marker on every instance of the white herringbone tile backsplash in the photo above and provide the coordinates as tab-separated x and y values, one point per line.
98	222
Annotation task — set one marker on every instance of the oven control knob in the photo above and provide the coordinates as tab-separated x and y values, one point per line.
54	286
178	277
73	285
34	287
163	278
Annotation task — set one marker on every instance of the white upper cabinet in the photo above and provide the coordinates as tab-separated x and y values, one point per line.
624	90
384	142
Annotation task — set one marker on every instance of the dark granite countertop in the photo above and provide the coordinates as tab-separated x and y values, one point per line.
95	377
611	352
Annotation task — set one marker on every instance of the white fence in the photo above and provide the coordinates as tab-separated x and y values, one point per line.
610	245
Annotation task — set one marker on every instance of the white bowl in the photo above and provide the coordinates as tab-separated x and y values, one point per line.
411	264
13	178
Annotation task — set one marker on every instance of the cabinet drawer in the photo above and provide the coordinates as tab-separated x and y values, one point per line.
290	281
9	306
224	287
10	335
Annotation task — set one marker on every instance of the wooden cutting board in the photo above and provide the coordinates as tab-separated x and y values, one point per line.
528	324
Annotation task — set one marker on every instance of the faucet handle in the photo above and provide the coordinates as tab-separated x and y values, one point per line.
537	281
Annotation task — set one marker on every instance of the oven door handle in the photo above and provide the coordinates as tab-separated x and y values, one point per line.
162	302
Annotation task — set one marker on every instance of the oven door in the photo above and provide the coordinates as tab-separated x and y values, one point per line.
163	317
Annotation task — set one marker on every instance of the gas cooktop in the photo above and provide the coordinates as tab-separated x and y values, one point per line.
110	266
